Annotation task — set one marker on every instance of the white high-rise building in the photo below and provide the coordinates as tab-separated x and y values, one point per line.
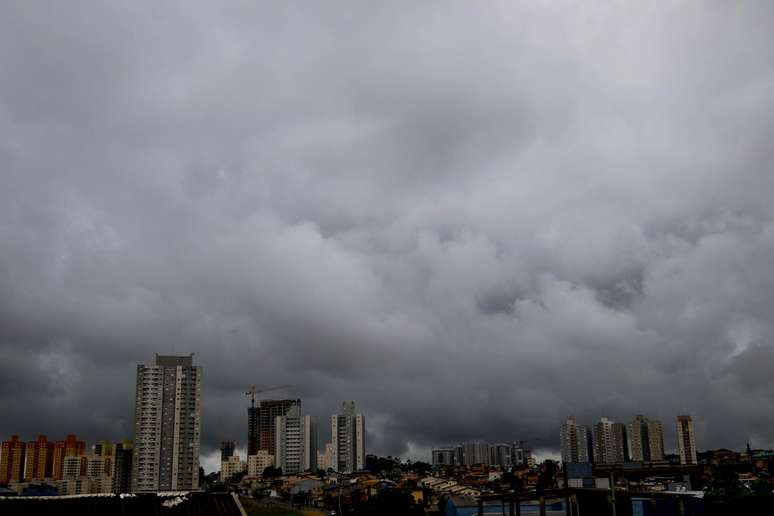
686	440
296	442
167	425
574	441
348	439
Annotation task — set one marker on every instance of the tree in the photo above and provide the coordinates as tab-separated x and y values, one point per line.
547	477
419	467
389	503
724	485
761	488
272	472
512	482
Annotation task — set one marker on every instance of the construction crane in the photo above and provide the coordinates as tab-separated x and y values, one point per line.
252	392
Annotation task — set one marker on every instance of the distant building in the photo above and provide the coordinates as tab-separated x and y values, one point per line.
500	455
620	443
610	443
102	448
475	452
266	414
167	425
12	457
444	457
521	455
256	464
123	453
98	469
348	439
233	465
252	429
226	450
459	455
40	459
325	458
656	440
647	439
574	441
73	467
686	440
296	442
71	446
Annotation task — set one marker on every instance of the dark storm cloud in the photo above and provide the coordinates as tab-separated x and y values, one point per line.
473	220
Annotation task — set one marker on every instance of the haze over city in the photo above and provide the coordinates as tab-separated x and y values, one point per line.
473	219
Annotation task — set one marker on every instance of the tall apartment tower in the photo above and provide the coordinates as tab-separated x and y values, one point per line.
620	443
475	452
521	454
123	454
252	430
574	441
686	440
656	440
261	424
348	439
500	454
40	458
610	442
167	425
70	447
12	457
296	442
443	457
647	439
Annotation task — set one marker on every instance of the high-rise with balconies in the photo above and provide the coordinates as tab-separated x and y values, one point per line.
574	441
686	440
12	457
348	439
296	438
40	457
647	439
167	425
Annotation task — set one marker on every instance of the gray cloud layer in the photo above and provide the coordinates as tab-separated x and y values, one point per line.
472	219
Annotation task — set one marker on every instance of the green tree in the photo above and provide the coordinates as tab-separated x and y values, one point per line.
547	477
724	485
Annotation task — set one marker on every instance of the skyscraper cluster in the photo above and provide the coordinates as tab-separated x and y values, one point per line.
66	465
261	421
471	453
290	443
609	442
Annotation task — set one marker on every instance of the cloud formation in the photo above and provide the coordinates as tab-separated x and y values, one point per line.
472	219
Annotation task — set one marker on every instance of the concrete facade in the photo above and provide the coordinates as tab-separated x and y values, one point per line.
348	439
167	425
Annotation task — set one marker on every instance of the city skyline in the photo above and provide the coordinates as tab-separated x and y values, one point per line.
621	447
474	219
544	451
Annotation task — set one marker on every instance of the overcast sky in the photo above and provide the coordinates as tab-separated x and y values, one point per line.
473	218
